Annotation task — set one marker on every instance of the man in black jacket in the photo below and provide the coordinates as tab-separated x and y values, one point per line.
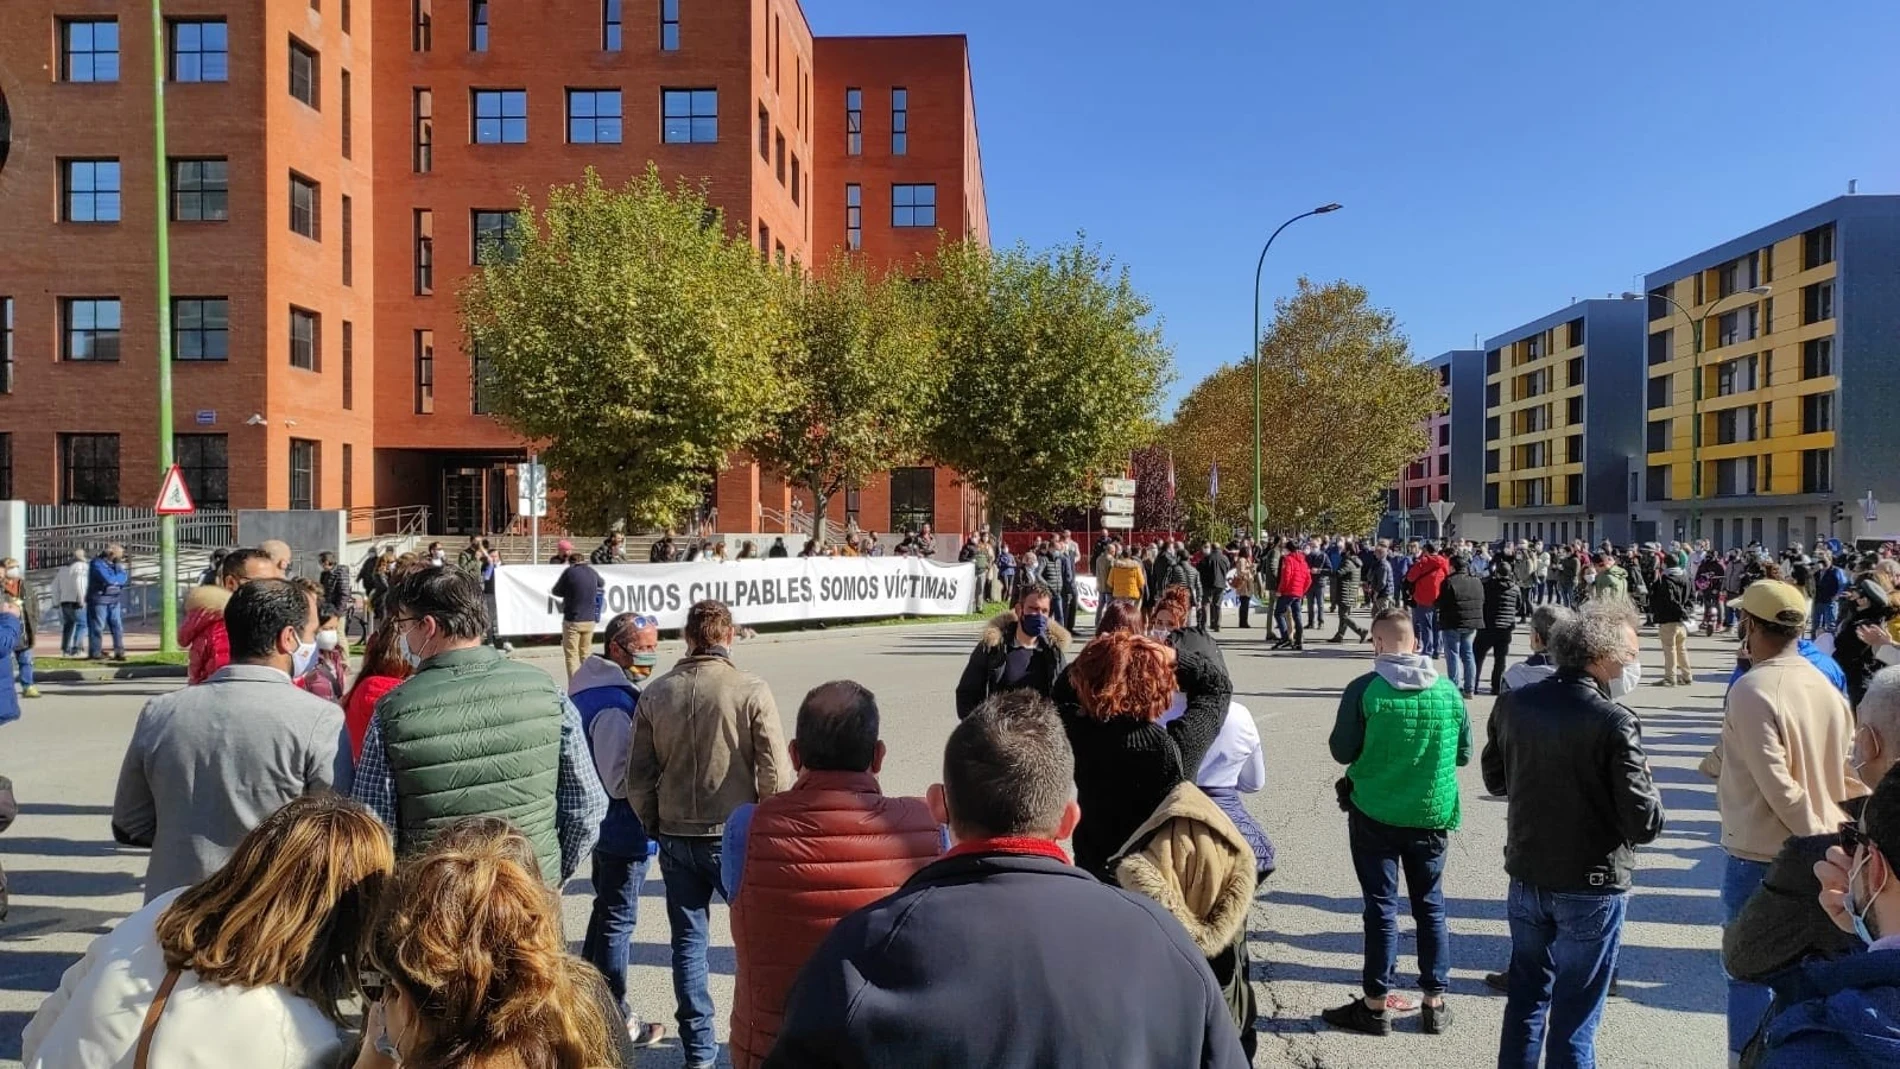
1213	570
1003	929
1020	650
1669	604
1581	797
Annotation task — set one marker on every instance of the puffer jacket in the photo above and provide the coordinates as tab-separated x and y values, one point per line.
984	670
827	847
202	632
1500	599
1427	576
1348	592
1295	577
706	740
1461	603
1844	1012
1127	579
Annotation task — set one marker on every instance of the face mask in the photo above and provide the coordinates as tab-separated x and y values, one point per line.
402	645
1859	912
300	659
327	640
1859	757
642	665
1034	625
1623	685
1160	634
13	573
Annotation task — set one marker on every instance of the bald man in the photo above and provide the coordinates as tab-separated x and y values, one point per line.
278	551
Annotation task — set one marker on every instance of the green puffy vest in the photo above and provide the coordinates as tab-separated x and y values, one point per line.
1407	772
475	734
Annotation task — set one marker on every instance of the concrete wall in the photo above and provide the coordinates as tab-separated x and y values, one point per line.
308	532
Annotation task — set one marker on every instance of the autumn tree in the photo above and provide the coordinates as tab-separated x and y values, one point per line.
1342	408
1055	372
856	374
632	336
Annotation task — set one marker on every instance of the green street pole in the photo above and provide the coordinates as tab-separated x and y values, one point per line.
167	525
1259	514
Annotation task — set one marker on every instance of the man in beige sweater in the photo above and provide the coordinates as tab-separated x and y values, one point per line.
1782	764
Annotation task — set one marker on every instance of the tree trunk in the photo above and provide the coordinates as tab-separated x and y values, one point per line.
820	502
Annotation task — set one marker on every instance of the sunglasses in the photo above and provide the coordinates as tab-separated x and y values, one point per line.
1852	837
641	621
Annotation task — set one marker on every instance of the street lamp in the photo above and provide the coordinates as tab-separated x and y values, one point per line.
1695	395
1259	516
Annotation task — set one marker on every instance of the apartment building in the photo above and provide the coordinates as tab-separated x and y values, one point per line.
336	175
1783	417
1452	437
1560	430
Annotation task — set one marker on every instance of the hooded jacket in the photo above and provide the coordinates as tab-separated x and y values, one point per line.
983	674
1669	598
1835	1013
1296	578
203	633
1404	732
1533	669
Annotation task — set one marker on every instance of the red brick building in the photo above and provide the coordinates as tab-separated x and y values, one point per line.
334	171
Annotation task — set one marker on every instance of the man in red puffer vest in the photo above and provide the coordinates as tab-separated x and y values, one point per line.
795	864
202	630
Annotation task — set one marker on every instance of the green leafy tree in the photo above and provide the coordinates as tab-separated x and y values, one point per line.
632	335
1342	409
856	374
1055	373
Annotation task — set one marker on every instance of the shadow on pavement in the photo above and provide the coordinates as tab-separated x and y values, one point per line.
51	884
12	1023
61	809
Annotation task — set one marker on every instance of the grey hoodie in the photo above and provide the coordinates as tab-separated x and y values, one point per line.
1524	673
1406	671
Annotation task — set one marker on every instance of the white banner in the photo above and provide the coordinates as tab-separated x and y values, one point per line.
1087	598
759	591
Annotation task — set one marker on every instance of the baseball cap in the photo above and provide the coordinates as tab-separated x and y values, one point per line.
1775	602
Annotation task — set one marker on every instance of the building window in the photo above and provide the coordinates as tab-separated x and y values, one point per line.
1444	435
900	121
797	180
1662	347
765	134
501	116
200	52
305	207
200	191
593	116
478	25
1493	394
1817	358
691	116
345	5
1817	302
854	122
1658	436
853	216
89	52
1573	411
89	469
1415	497
1817	471
1573	449
425	372
1492	362
1574	330
303	473
1491	495
349	246
765	241
91	329
6	353
913	498
1444	465
204	460
6	467
425	252
1656	483
349	367
1660	392
778	252
343	89
1735	477
1817	247
89	191
494	234
1573	489
1659	306
201	329
1575	369
481	373
1491	462
349	477
1735	376
423	133
914	205
779	140
610	25
422	35
305	339
669	25
1735	425
1817	413
305	74
1492	427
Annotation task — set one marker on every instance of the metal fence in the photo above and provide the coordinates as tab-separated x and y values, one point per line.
53	532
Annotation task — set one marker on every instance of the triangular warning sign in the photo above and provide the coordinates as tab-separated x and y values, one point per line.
173	498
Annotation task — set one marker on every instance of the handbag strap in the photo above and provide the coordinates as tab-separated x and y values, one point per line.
142	1053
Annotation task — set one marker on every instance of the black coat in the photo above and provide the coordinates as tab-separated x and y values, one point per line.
1500	599
1669	600
983	674
1571	763
1007	959
1461	603
1213	568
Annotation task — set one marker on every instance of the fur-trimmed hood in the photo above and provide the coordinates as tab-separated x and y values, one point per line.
993	632
1191	860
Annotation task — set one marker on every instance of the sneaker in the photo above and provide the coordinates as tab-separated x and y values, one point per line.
1667	682
30	692
1355	1017
1435	1019
1499	982
1337	639
645	1035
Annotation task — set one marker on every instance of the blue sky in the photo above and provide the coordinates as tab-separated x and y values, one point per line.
1496	158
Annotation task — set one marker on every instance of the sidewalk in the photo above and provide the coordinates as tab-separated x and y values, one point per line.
141	636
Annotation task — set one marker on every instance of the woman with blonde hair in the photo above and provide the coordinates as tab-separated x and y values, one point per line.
473	968
248	968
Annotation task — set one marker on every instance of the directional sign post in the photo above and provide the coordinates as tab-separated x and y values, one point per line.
174	499
1118	487
531	500
1440	510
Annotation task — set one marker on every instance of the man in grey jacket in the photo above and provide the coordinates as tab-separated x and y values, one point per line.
208	763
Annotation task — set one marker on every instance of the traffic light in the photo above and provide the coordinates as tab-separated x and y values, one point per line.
1839	515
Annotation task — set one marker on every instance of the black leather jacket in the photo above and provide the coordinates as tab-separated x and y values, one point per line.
1571	763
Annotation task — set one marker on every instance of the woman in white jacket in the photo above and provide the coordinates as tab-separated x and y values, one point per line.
247	969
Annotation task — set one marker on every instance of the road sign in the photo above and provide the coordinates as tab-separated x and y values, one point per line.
1118	504
1118	487
1119	521
207	416
531	489
1440	510
173	498
1870	508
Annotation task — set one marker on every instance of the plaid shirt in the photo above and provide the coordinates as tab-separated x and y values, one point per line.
579	802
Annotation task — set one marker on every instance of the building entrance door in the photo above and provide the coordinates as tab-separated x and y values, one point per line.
462	501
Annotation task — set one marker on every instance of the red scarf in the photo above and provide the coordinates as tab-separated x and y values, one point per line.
1010	844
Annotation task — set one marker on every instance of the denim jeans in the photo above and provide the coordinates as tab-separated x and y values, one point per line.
1286	617
1425	626
72	628
1563	954
1824	615
1316	602
106	618
617	882
1379	853
1461	664
23	667
690	869
1747	1003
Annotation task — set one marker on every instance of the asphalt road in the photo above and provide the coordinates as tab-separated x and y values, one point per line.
71	883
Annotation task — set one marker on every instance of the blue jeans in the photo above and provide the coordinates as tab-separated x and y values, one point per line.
1425	626
1461	663
1825	615
72	627
617	882
1379	853
690	868
1747	1003
23	667
1563	955
106	618
1286	617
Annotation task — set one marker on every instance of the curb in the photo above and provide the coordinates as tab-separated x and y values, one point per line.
107	675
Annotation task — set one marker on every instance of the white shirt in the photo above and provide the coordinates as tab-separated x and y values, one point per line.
1235	759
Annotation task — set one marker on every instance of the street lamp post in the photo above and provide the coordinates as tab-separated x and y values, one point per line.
1695	395
167	525
1259	516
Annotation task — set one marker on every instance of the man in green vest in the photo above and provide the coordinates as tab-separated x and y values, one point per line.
1404	733
473	733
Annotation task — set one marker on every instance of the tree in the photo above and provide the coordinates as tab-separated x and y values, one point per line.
856	375
1342	408
1054	373
629	333
1157	508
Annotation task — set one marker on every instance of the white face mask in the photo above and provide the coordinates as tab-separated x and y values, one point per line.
13	573
1624	685
301	657
408	654
327	640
